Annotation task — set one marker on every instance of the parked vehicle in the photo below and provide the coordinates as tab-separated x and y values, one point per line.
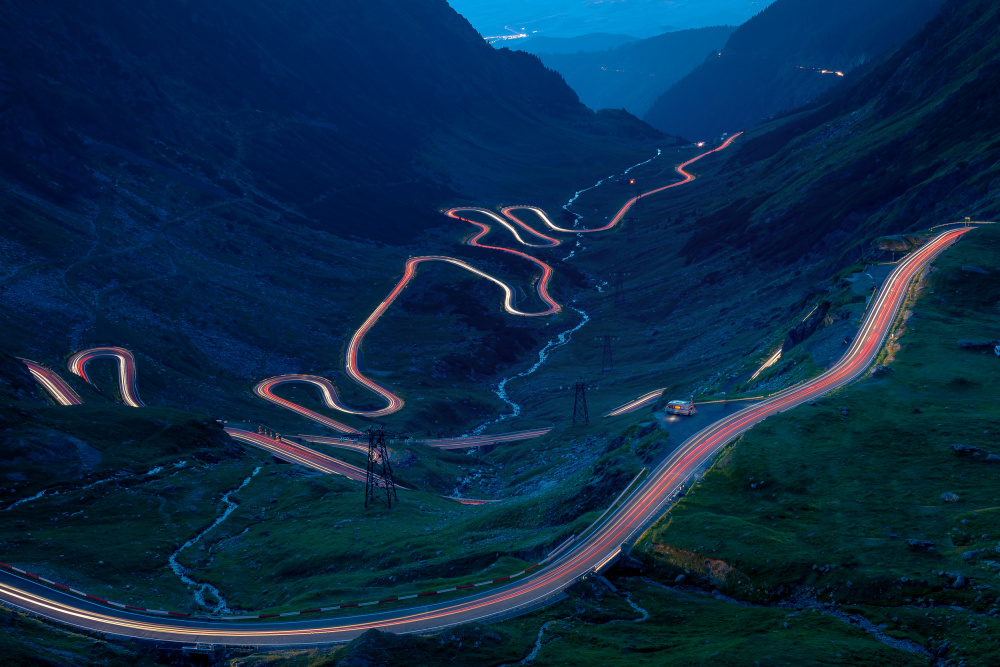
685	408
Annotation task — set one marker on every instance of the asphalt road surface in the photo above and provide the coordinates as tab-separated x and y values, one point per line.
591	553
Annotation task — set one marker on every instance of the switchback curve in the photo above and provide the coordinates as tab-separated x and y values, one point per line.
394	403
126	370
594	552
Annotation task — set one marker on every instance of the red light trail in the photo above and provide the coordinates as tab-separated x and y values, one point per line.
592	552
511	223
126	370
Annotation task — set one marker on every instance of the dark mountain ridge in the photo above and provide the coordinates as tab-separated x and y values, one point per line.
319	105
632	76
782	58
227	187
907	146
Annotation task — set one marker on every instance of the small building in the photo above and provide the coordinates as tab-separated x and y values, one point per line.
685	408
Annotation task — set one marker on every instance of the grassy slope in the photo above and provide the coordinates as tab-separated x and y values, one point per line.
907	146
151	479
820	503
148	481
308	508
236	240
686	326
596	626
300	540
26	642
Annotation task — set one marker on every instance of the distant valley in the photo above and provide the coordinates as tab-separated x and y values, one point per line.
631	75
572	18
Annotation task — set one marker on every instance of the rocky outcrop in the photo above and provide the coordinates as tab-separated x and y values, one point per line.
920	545
807	327
16	383
57	455
978	344
975	269
899	243
716	570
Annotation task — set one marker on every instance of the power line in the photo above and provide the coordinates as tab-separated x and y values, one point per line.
580	414
608	353
379	477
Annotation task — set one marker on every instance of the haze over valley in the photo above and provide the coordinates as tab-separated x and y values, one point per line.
572	18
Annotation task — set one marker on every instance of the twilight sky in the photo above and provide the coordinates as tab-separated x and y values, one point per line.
570	18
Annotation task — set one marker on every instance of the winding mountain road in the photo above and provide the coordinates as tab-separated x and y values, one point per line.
593	552
126	370
470	441
293	453
511	223
52	383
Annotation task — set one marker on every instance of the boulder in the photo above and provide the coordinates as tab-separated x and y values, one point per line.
975	269
628	565
645	429
978	344
949	497
58	454
403	459
993	458
966	450
920	545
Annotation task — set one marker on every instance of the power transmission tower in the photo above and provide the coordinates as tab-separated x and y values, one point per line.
608	355
379	476
580	414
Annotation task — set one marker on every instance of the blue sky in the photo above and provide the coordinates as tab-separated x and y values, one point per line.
570	18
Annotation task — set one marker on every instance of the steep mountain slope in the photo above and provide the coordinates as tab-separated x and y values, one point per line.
632	76
321	106
228	188
782	58
909	145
